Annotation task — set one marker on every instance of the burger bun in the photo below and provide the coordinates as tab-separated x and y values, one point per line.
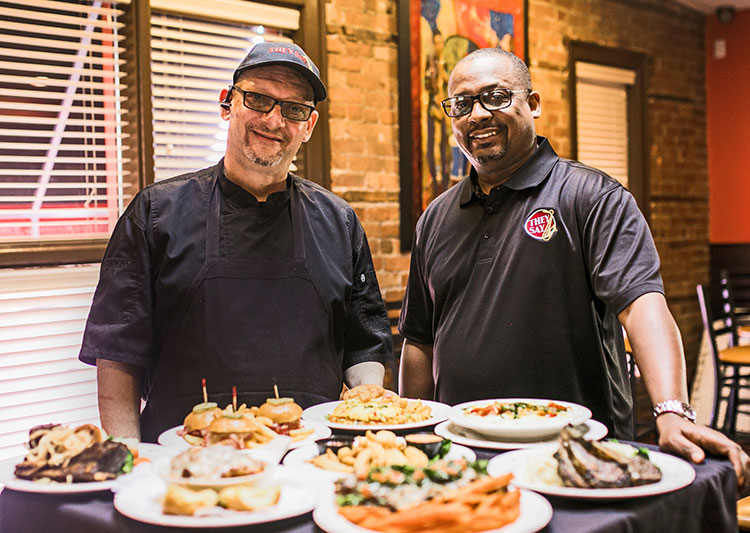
228	425
280	410
198	420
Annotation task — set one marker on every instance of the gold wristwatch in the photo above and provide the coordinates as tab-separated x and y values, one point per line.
685	410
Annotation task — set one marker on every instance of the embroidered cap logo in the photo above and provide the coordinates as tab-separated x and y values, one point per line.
541	224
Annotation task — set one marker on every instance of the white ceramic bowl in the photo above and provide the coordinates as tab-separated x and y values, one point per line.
523	428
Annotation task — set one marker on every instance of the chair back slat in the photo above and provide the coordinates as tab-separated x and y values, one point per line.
707	315
728	305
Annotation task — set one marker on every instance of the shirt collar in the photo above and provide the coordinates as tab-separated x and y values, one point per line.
238	196
532	173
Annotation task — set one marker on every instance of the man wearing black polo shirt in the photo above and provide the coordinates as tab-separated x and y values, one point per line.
523	274
240	273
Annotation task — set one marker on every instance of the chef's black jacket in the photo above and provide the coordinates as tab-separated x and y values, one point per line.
158	246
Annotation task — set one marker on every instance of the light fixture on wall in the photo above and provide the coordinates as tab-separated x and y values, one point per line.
725	14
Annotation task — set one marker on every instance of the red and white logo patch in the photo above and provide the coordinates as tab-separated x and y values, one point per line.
541	224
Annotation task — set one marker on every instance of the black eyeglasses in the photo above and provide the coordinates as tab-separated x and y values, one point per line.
458	106
264	104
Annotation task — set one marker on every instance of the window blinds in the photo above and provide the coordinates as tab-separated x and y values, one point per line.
602	117
60	119
191	61
42	316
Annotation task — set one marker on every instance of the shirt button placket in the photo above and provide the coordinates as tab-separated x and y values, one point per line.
488	210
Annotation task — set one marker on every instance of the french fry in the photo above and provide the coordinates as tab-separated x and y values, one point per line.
300	434
268	432
481	505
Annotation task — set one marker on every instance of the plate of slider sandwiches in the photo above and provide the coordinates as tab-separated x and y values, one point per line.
244	427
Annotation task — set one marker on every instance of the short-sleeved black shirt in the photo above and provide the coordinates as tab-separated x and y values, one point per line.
519	291
158	247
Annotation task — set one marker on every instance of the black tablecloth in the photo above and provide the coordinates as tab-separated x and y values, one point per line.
708	504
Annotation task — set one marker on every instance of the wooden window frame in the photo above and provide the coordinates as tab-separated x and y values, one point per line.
311	36
638	177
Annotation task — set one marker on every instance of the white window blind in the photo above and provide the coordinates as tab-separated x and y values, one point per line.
60	119
42	315
192	59
602	117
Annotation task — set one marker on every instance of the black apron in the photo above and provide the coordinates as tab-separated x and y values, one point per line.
247	323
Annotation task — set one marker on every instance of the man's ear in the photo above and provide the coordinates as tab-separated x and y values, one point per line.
310	125
225	102
535	104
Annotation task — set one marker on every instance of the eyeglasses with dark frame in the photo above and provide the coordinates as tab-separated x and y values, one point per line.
264	104
458	106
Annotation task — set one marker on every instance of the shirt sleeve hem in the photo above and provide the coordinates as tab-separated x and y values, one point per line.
354	359
627	298
90	359
416	337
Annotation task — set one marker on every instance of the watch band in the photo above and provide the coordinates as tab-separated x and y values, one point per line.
685	410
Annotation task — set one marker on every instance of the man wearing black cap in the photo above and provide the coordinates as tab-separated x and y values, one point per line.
241	273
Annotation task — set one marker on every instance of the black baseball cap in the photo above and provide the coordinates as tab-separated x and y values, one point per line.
289	55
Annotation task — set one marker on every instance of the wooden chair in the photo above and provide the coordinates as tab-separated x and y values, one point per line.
729	363
729	301
743	513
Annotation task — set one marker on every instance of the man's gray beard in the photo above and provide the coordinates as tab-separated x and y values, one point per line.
256	159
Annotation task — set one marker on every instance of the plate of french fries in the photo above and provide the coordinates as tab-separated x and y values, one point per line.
371	450
483	504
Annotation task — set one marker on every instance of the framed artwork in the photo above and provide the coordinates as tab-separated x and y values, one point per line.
433	36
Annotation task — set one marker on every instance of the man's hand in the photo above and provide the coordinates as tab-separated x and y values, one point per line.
693	441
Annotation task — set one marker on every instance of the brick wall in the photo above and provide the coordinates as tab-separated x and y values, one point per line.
362	48
363	85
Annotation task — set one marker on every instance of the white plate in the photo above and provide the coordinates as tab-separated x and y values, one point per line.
8	478
676	474
141	501
536	512
318	413
171	439
163	470
448	430
298	459
521	428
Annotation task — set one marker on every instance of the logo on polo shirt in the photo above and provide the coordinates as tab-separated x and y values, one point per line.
541	224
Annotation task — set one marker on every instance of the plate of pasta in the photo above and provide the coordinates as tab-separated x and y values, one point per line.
393	414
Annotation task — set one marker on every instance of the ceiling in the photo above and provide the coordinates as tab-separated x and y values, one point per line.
709	6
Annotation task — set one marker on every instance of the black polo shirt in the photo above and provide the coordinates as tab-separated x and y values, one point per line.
519	291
